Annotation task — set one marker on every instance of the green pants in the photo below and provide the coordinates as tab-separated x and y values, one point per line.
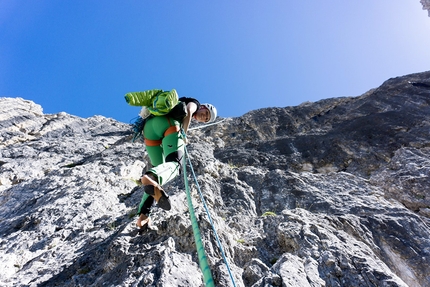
165	150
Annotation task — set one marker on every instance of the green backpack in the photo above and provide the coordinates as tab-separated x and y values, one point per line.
159	102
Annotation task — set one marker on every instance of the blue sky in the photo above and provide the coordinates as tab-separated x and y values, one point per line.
82	56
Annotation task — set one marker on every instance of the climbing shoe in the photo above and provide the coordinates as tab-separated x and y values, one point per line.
143	221
163	201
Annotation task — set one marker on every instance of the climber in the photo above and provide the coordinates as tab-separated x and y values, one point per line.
165	146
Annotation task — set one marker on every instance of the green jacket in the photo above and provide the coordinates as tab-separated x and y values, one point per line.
141	98
159	102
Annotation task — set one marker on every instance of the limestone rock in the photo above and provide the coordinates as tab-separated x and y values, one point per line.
426	5
331	193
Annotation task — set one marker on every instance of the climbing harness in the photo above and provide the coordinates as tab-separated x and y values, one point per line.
207	276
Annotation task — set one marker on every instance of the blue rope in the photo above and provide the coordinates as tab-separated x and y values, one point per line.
210	219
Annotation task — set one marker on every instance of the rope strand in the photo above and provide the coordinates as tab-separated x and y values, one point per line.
209	216
208	125
204	266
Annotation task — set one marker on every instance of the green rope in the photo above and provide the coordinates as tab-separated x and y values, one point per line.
204	266
210	219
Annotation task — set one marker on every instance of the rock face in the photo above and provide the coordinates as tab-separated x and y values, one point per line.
332	193
426	5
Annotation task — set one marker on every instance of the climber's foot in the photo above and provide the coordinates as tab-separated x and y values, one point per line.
142	221
162	198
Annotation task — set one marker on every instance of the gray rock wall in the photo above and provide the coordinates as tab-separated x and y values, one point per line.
426	5
332	193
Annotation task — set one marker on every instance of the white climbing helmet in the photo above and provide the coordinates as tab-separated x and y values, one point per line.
212	110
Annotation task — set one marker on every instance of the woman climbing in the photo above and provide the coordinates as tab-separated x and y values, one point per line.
165	146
